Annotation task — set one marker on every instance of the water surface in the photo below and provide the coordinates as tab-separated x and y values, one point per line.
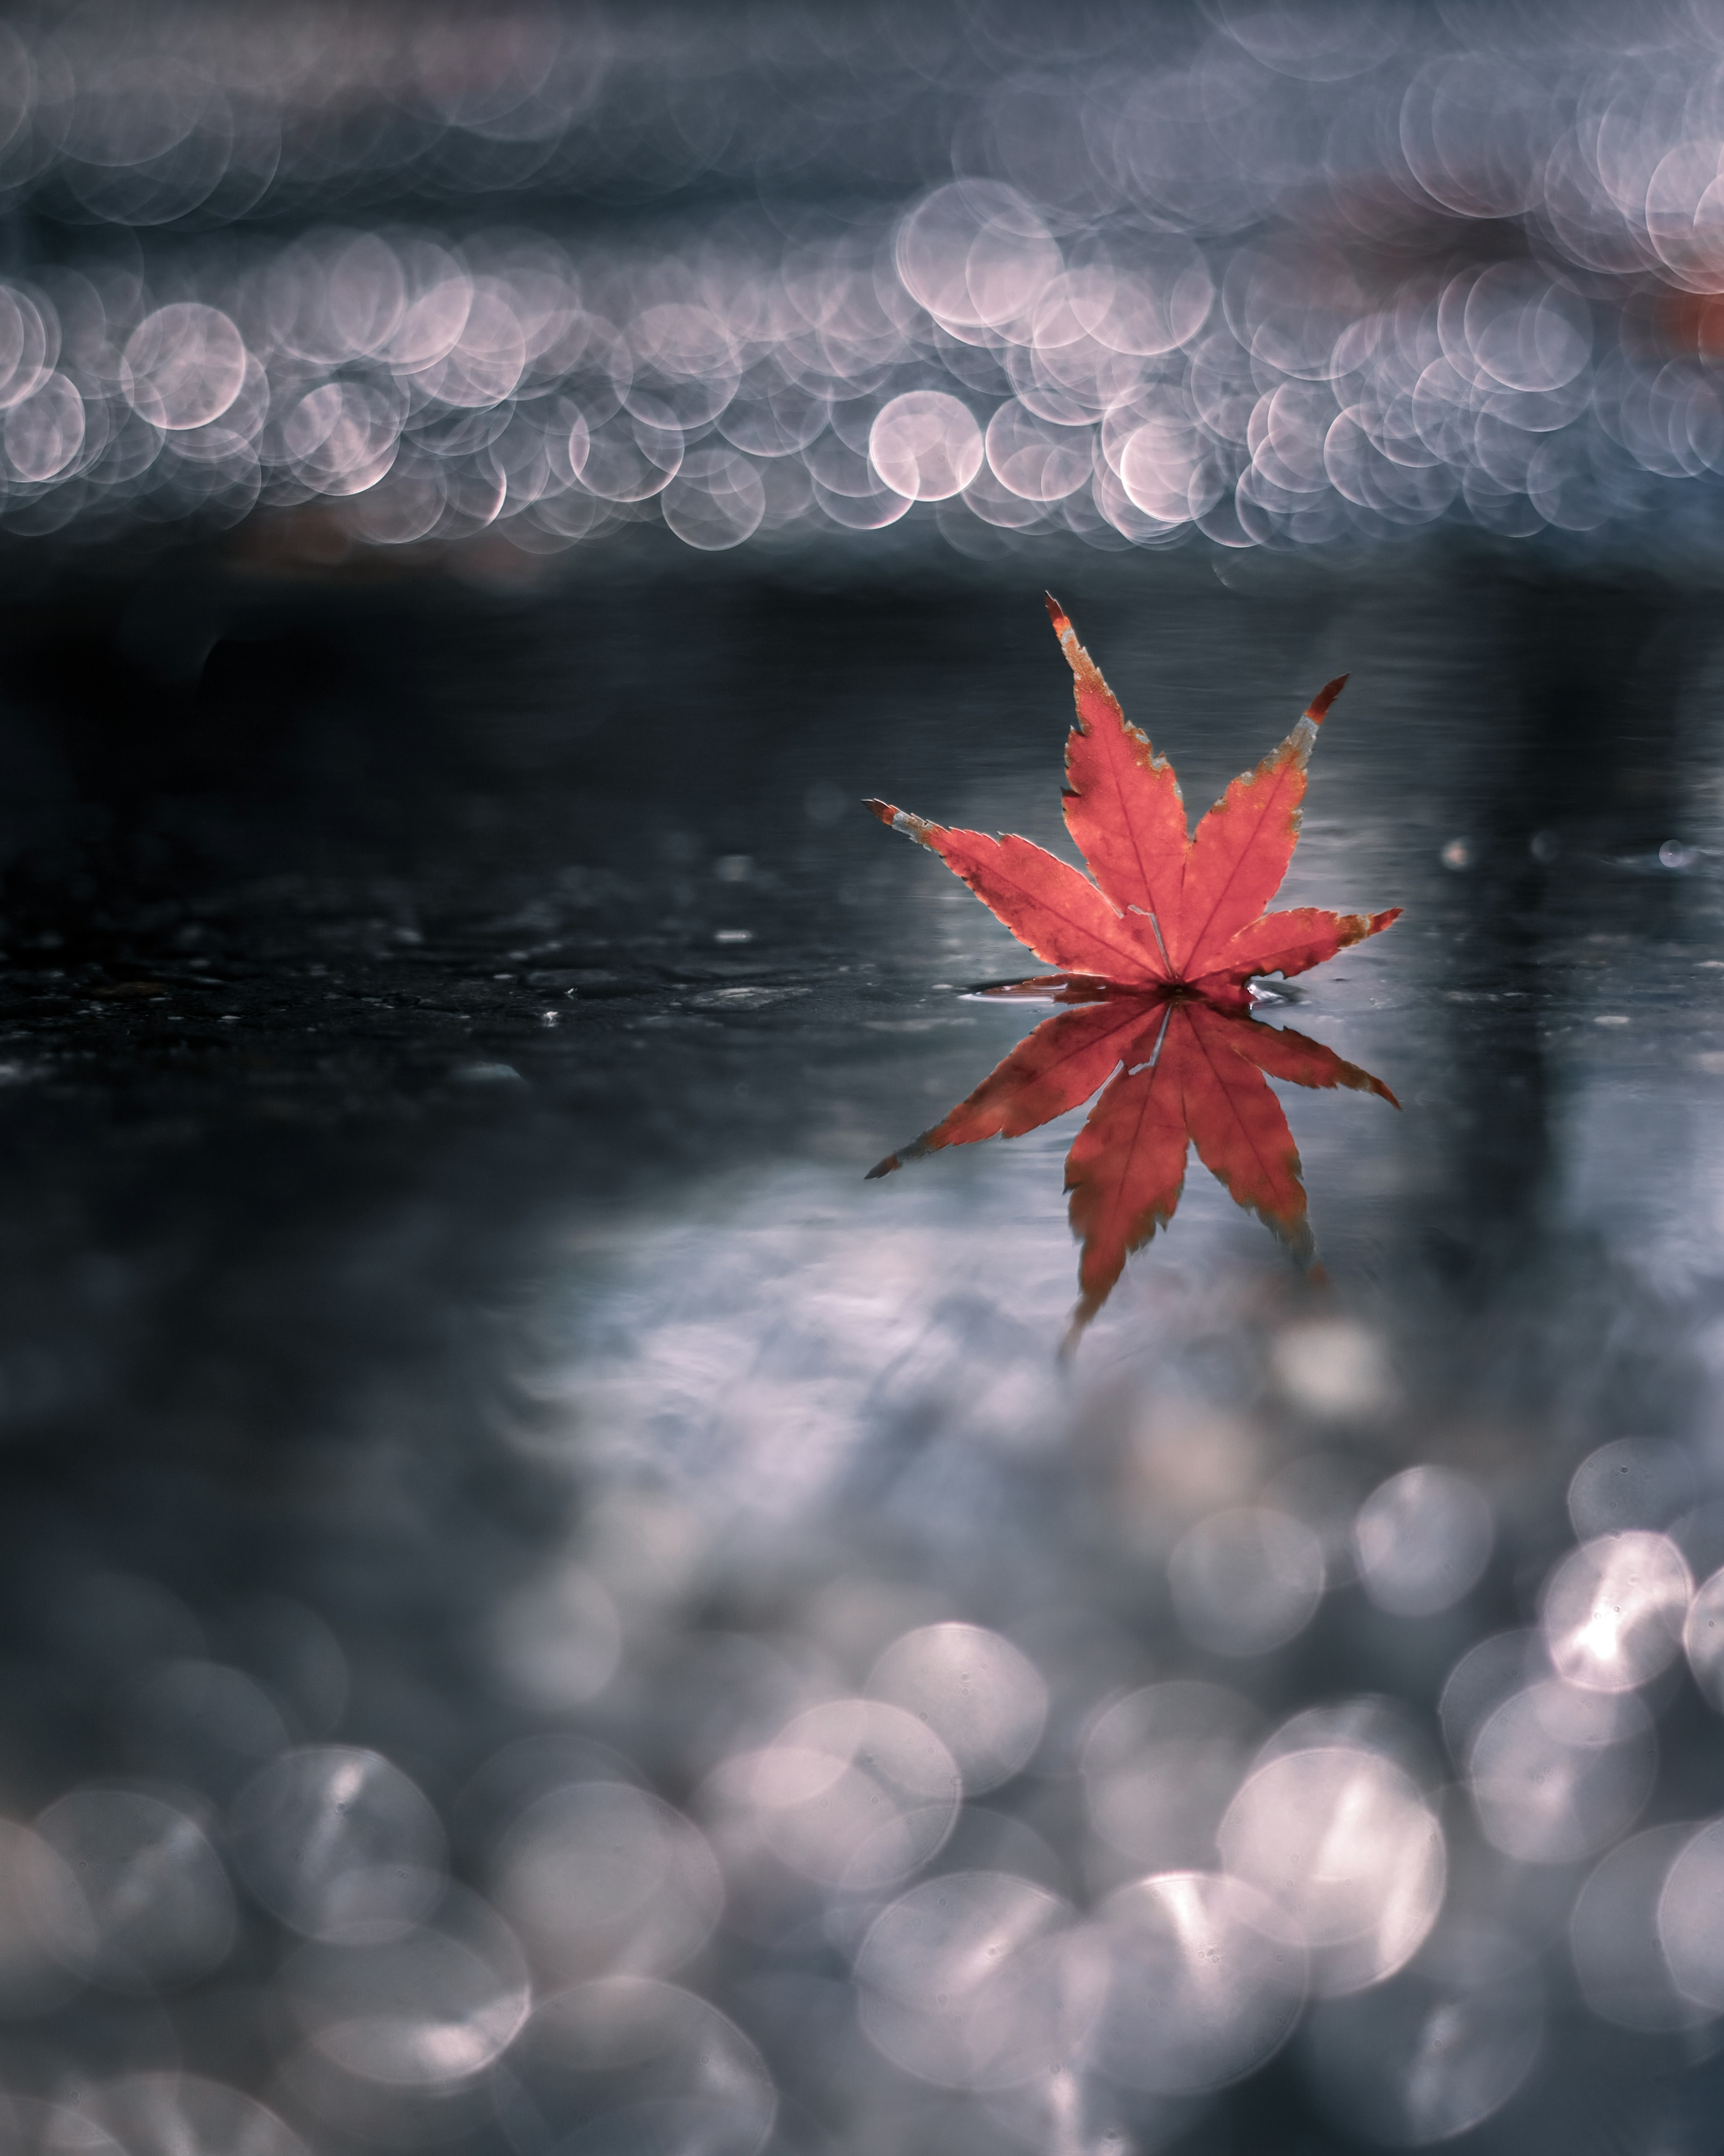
469	1419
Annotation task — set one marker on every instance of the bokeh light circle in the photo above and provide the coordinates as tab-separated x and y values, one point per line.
854	1793
1690	1917
1246	1579
1208	1979
177	2114
339	1844
980	1980
1613	1611
1160	1767
599	1876
1558	1773
1421	1540
1343	1843
431	2007
925	444
125	1890
983	1698
184	364
1418	2061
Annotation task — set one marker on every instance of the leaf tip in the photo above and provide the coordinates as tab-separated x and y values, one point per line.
1079	1324
1317	710
1355	927
900	819
1063	629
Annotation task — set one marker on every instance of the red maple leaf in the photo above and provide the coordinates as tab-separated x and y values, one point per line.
1179	1070
1166	909
1155	954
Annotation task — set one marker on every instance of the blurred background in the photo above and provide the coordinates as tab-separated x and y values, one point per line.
541	1614
1279	273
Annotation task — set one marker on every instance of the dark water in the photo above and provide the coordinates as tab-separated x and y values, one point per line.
463	1402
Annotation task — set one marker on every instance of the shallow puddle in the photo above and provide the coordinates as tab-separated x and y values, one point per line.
545	1611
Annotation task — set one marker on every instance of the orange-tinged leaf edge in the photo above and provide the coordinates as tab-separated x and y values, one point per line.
1052	908
1269	946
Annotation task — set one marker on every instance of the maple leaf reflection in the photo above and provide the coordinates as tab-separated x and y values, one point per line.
1176	1070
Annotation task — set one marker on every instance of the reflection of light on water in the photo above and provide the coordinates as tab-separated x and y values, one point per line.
1245	1579
1341	1840
847	1553
1232	1894
1558	1773
1226	286
126	1891
1208	1979
745	1366
979	1981
1422	1539
1159	1767
853	1793
1619	1954
435	2005
338	1843
974	1690
1613	1612
598	1877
